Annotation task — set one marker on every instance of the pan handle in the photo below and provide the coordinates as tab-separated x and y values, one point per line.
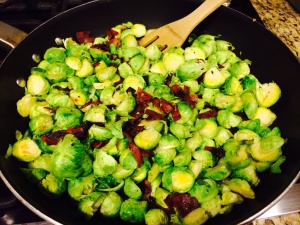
10	36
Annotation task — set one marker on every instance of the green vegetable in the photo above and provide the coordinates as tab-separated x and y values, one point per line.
118	128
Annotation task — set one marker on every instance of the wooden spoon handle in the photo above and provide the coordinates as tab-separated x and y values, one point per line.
189	22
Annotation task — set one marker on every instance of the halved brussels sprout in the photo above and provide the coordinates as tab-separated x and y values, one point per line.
26	150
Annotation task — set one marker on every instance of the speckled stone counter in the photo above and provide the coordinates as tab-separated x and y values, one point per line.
289	219
282	19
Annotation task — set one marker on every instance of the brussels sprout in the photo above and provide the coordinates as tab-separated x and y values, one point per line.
172	61
236	155
99	133
233	86
95	115
153	52
207	43
66	117
248	173
111	205
125	70
104	164
147	139
131	189
133	210
25	104
164	156
138	30
212	206
134	81
156	216
204	190
193	142
156	79
34	175
213	78
86	69
185	112
42	162
196	217
122	173
26	150
141	172
250	83
250	104
127	160
129	41
80	187
222	136
136	62
126	106
191	69
246	136
79	97
59	100
37	85
209	95
196	167
275	168
179	130
206	157
106	73
161	91
53	186
55	54
158	67
128	53
41	124
253	125
194	53
241	187
229	197
226	102
207	128
58	72
160	196
227	119
183	158
69	158
76	82
265	115
218	172
267	149
91	203
178	179
240	69
73	62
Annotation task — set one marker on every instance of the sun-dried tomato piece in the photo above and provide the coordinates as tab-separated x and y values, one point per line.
152	115
166	106
183	203
111	34
54	137
136	153
218	152
208	114
175	113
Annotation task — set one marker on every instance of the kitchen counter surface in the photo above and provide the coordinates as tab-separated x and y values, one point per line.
282	19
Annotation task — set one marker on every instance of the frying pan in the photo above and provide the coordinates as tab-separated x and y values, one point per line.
271	61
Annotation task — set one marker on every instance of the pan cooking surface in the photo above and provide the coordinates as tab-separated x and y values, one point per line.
271	60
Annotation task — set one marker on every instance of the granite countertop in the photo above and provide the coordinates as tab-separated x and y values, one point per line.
281	19
284	21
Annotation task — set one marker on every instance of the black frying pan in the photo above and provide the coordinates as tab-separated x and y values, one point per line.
271	60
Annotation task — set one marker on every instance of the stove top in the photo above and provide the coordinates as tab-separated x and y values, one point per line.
27	15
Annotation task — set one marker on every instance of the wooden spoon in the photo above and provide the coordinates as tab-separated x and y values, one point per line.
175	33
